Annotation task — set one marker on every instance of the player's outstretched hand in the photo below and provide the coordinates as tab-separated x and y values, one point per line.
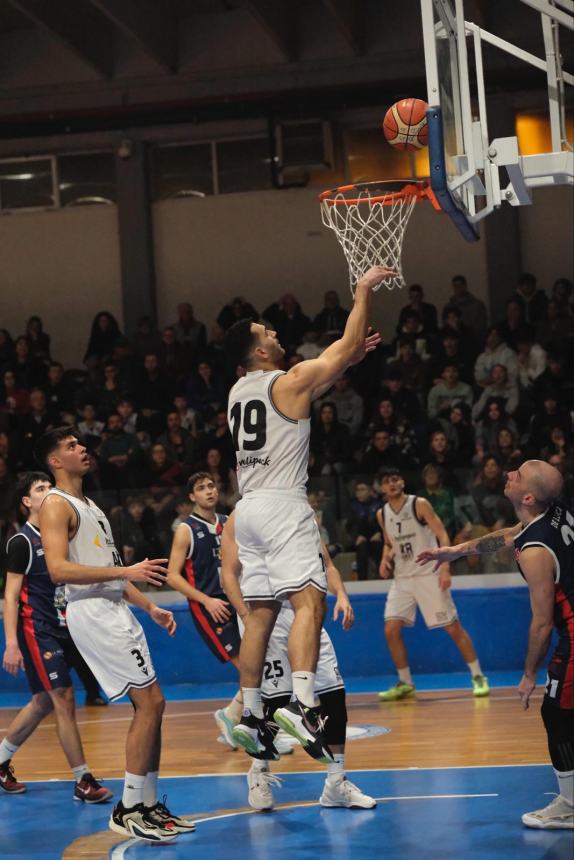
164	618
439	555
13	660
374	276
525	690
218	609
152	570
370	343
343	605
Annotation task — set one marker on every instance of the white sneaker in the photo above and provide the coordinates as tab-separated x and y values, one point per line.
260	791
342	792
284	743
225	726
558	815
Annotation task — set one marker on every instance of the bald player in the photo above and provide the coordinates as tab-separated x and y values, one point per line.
542	542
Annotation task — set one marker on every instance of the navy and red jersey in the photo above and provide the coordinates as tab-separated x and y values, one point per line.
203	563
554	530
41	601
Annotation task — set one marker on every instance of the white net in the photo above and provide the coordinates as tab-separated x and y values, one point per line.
369	221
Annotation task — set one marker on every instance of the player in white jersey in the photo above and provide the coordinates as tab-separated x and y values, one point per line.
278	684
80	552
279	545
410	526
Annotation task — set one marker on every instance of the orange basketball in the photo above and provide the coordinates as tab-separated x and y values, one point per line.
405	124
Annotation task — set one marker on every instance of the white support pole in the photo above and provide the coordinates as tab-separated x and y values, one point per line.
464	85
553	88
546	8
433	89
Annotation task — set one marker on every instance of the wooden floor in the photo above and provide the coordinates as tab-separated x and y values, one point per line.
437	729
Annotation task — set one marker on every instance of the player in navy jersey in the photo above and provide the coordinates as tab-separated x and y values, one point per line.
194	570
543	542
38	641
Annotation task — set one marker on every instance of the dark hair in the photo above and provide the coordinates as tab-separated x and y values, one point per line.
239	341
416	287
56	364
390	472
526	279
459	279
48	442
195	478
27	481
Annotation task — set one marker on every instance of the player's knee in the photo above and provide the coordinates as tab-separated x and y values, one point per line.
454	630
334	706
393	631
41	705
63	699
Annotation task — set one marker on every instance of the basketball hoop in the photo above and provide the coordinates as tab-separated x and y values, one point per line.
369	220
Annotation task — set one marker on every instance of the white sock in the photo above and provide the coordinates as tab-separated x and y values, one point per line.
252	701
7	750
336	768
474	668
566	785
405	675
259	766
133	789
304	688
79	771
150	788
235	708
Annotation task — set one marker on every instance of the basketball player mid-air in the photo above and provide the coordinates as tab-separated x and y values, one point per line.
269	416
81	553
543	543
410	525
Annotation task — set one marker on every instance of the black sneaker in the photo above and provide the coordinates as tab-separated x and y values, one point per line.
255	735
160	813
307	725
136	821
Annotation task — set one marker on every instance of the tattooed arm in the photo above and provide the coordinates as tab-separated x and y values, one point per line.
479	546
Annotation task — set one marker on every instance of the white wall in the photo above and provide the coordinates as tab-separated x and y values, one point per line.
64	266
262	244
547	235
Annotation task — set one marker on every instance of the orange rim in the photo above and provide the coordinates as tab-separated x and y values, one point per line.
375	192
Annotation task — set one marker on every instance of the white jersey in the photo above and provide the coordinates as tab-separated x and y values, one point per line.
93	545
272	450
409	536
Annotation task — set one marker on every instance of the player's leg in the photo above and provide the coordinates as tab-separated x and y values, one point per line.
157	810
228	717
400	609
24	723
465	645
76	661
559	725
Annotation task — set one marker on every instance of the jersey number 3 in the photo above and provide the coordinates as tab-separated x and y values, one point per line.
253	423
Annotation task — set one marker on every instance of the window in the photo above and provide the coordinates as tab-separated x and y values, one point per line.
26	183
87	179
371	158
243	165
181	171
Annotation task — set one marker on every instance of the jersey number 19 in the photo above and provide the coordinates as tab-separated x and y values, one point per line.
253	422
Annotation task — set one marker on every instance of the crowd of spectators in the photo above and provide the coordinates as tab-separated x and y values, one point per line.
452	400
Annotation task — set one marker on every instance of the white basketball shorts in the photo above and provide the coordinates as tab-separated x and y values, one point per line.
112	642
406	593
279	545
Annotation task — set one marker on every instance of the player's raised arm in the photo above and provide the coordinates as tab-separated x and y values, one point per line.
231	567
538	568
57	521
479	546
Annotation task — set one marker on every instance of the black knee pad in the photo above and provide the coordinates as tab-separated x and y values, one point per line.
333	706
559	725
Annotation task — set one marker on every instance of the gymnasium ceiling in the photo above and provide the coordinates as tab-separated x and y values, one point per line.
70	65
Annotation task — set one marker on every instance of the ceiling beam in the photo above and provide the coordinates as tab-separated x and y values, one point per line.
151	23
348	16
82	30
279	19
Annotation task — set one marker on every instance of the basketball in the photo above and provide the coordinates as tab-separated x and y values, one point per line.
405	124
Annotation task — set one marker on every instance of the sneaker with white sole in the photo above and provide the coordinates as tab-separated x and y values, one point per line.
342	792
260	789
284	743
558	815
135	821
307	726
225	726
160	814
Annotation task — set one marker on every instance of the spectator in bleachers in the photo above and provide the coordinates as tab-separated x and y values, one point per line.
153	396
179	444
160	473
410	364
173	357
90	427
330	442
469	342
402	434
489	421
500	386
380	454
440	453
310	346
363	529
29	372
109	391
38	340
531	358
59	392
403	399
104	333
440	496
534	301
6	347
551	413
514	320
426	312
412	330
557	376
496	351
191	333
326	522
224	478
118	455
188	417
136	528
183	508
562	294
449	351
205	391
147	338
446	393
559	444
128	415
556	330
472	309
14	400
332	317
8	494
288	320
506	449
495	510
349	404
216	434
8	450
37	421
460	432
214	353
236	309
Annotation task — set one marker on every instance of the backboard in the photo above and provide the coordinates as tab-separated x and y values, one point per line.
470	174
